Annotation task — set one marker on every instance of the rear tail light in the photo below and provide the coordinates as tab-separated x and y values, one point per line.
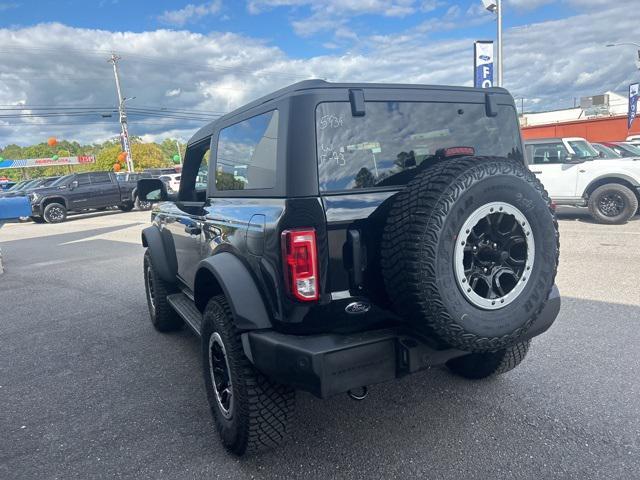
300	254
457	151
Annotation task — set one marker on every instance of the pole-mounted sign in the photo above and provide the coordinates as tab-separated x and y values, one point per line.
483	64
633	103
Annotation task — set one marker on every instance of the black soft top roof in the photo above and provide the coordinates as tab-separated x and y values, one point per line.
316	84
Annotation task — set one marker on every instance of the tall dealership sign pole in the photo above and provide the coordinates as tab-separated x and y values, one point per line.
495	6
633	104
633	88
126	147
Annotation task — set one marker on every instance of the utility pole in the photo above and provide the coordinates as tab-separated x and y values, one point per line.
123	114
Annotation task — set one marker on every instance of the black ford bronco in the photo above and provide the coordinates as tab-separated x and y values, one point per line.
328	237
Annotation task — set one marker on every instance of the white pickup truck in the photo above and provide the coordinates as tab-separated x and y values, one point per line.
574	174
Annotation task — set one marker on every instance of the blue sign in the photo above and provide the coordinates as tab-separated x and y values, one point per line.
483	64
633	104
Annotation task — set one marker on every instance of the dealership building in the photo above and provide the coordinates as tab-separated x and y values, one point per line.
598	119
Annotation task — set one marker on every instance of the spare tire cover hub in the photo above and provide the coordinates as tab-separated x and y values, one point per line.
493	256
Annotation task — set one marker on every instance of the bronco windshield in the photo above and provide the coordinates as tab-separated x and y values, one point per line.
395	140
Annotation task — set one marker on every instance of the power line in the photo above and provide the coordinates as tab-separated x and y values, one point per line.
42	111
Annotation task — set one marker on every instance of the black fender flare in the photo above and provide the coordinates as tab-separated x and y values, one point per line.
163	252
240	290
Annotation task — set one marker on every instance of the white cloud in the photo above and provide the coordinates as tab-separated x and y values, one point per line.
174	92
190	13
51	64
528	4
388	8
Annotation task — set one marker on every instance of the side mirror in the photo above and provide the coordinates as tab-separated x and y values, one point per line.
152	190
601	154
73	185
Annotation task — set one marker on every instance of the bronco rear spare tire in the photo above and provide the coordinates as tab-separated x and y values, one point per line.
470	252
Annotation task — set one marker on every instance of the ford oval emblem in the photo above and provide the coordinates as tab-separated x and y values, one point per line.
357	307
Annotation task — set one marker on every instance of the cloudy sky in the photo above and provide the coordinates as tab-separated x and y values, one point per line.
186	61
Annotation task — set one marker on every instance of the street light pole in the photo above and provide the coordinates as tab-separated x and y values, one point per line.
499	14
637	45
495	6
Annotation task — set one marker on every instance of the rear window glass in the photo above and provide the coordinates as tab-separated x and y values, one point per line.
395	140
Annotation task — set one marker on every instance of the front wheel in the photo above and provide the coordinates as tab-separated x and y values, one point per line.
54	213
613	204
251	412
142	204
482	365
163	316
126	207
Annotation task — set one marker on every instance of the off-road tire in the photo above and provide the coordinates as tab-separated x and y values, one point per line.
54	213
163	317
37	219
418	245
488	364
624	193
262	409
126	207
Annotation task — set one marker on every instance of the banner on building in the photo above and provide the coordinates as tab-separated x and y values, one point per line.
47	162
483	64
633	103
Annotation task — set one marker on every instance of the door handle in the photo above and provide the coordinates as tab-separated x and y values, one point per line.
193	229
581	171
536	171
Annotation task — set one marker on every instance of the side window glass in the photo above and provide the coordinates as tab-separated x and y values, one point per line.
202	177
83	179
195	171
100	177
246	154
549	154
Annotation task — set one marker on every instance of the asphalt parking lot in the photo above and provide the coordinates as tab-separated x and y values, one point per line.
89	390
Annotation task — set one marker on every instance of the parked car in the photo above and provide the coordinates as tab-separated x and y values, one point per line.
6	185
574	174
131	177
377	230
606	152
156	172
28	186
79	192
624	149
172	181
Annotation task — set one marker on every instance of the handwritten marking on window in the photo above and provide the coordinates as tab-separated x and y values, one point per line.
329	154
330	121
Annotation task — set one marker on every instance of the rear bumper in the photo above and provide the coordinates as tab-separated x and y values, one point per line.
328	364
